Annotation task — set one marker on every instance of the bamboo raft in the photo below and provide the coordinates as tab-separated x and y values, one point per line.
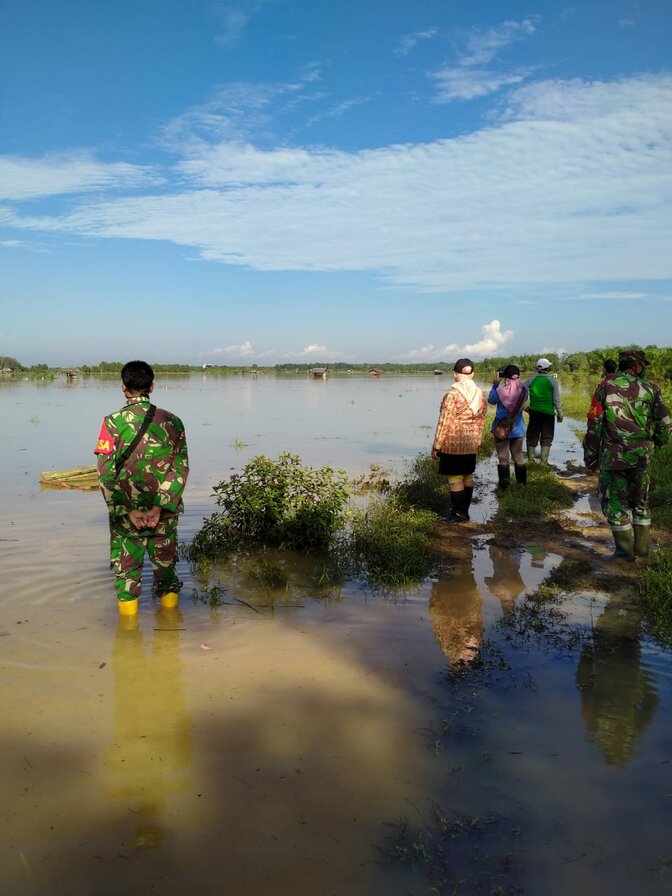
84	478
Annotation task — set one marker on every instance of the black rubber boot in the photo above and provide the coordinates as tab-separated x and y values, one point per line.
458	508
468	495
503	476
521	473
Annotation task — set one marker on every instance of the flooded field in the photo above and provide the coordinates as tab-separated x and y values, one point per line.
311	740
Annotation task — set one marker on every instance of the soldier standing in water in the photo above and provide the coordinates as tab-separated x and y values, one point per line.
142	468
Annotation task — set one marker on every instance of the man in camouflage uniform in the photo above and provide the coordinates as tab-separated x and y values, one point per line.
619	444
143	493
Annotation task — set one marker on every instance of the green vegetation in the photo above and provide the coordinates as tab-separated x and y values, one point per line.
655	588
661	487
543	494
423	487
390	545
279	503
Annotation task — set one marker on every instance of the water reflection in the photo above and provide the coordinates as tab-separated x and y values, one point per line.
506	582
151	755
455	608
618	696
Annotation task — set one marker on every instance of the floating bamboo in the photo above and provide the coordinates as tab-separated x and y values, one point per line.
84	478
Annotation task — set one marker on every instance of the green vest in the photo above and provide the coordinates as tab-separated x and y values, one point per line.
541	395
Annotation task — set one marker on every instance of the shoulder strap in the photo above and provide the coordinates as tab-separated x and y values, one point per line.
126	453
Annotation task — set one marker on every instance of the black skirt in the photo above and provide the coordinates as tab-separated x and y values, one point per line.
456	464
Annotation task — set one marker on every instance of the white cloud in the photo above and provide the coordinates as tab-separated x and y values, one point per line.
244	350
483	45
469	78
62	173
408	41
233	18
468	83
572	184
491	341
339	109
616	296
316	352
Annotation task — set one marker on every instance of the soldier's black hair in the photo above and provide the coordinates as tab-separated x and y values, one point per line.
137	376
609	366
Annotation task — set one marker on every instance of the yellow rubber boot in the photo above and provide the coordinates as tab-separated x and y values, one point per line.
169	601
128	607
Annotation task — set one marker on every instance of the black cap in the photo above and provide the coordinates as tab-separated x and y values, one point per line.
463	365
635	355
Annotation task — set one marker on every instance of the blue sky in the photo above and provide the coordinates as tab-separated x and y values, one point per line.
285	180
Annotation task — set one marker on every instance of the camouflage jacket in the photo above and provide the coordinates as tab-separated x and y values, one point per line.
157	470
634	420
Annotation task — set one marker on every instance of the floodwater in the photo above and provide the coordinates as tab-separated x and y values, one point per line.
293	742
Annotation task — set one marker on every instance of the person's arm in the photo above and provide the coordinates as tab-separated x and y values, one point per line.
168	495
557	404
118	502
662	424
593	437
445	414
493	397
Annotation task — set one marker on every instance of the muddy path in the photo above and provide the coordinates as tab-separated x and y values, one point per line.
580	535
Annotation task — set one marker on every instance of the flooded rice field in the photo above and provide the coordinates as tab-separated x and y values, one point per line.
451	738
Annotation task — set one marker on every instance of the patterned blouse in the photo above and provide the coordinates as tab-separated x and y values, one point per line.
459	428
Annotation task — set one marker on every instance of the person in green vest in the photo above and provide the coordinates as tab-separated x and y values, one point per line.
544	408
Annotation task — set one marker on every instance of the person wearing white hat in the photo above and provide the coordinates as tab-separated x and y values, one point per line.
544	408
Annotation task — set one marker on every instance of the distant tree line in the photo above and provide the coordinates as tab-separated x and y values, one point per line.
575	364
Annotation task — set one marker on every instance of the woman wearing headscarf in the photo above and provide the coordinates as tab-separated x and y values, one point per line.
510	395
458	435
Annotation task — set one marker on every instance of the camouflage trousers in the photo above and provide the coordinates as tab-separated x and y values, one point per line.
127	553
624	496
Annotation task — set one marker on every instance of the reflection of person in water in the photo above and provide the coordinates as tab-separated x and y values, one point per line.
151	754
505	582
456	614
618	697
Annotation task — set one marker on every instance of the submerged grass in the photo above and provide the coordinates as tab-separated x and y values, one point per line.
544	494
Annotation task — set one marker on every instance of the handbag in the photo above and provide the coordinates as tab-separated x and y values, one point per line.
503	429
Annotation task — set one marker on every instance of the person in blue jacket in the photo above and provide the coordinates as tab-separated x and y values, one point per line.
510	395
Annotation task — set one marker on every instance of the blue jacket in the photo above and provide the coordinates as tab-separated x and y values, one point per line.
519	427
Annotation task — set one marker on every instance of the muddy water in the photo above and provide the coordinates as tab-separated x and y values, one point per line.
271	744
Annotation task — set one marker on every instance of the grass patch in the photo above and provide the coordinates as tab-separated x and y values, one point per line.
655	588
576	402
391	545
459	853
660	494
544	494
423	488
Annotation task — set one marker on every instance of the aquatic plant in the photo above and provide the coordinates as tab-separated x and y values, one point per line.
422	487
274	502
390	545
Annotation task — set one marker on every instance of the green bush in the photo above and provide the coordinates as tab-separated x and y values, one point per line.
274	502
391	545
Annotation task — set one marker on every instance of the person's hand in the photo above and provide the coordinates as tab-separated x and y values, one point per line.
152	517
495	380
560	418
137	517
435	454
